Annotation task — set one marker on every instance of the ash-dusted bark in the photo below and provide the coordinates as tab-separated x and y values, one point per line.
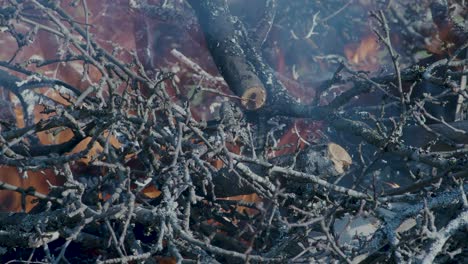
225	39
450	29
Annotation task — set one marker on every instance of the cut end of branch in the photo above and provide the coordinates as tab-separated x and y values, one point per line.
254	98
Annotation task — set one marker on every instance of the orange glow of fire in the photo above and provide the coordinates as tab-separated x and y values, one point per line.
364	55
248	198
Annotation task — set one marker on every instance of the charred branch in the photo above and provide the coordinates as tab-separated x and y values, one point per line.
224	38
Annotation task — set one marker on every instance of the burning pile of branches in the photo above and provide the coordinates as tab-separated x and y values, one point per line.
327	131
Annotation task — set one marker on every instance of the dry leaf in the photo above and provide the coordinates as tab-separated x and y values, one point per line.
339	156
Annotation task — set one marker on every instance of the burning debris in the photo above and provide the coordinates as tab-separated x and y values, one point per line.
233	131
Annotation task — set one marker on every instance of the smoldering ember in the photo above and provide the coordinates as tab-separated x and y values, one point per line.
233	131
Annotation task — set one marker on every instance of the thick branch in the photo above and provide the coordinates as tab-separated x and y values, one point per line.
223	38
